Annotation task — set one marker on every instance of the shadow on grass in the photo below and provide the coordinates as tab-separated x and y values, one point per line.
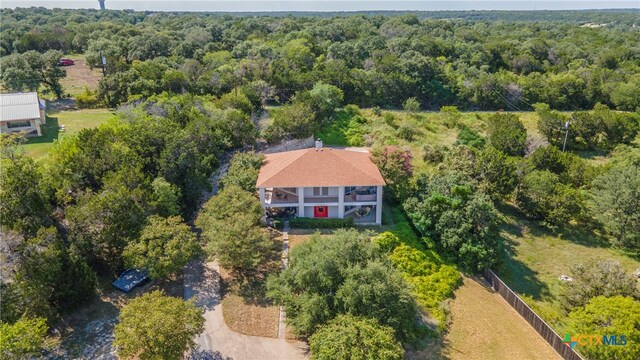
50	132
577	233
520	277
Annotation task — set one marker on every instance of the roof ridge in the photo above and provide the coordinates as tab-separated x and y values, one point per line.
302	153
355	165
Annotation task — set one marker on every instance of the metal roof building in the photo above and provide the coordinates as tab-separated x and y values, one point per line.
22	112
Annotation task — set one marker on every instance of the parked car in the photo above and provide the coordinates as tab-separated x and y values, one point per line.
65	62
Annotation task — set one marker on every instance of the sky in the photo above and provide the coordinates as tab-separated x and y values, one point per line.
315	5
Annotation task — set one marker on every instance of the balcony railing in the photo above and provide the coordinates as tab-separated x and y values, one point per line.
353	197
320	199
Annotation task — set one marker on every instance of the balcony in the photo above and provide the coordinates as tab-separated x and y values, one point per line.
277	196
361	194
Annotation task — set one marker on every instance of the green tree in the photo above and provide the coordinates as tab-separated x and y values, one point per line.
24	339
506	133
496	173
156	326
551	124
29	70
23	204
540	195
102	224
602	278
243	171
615	202
166	197
295	120
349	337
469	137
606	316
231	227
163	248
461	221
343	274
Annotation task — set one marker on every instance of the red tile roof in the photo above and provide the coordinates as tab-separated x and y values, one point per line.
319	167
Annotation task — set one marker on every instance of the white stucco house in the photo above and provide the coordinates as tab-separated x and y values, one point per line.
322	182
23	112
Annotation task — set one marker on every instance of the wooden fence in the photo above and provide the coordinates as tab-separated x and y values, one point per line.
532	318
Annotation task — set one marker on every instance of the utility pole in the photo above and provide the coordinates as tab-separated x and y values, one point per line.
566	135
103	62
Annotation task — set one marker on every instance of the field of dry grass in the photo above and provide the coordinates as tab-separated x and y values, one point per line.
245	306
80	76
484	326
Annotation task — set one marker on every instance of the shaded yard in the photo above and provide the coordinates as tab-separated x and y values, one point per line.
536	257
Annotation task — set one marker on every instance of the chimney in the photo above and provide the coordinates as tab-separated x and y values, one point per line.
318	144
101	4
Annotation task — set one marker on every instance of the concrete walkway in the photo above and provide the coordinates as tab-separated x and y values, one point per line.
202	284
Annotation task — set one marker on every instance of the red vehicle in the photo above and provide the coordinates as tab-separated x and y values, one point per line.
65	62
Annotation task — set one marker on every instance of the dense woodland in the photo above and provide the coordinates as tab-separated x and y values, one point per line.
374	60
189	89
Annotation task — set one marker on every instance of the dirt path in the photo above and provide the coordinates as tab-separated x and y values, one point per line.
484	326
202	284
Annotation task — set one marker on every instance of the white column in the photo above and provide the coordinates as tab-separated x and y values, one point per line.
262	196
300	202
341	202
379	205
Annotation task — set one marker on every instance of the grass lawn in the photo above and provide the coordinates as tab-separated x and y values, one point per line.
536	257
484	326
74	121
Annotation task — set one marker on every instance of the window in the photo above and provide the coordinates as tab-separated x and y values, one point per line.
18	124
320	191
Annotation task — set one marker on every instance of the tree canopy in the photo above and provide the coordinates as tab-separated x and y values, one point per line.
155	326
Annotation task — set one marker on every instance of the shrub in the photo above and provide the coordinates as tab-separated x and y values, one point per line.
389	119
377	111
352	110
451	116
433	154
319	223
88	100
405	132
386	241
411	105
606	316
24	339
602	278
470	137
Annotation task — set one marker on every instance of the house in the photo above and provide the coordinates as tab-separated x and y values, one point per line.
23	112
322	183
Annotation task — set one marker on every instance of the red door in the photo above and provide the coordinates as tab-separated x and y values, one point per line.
320	211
